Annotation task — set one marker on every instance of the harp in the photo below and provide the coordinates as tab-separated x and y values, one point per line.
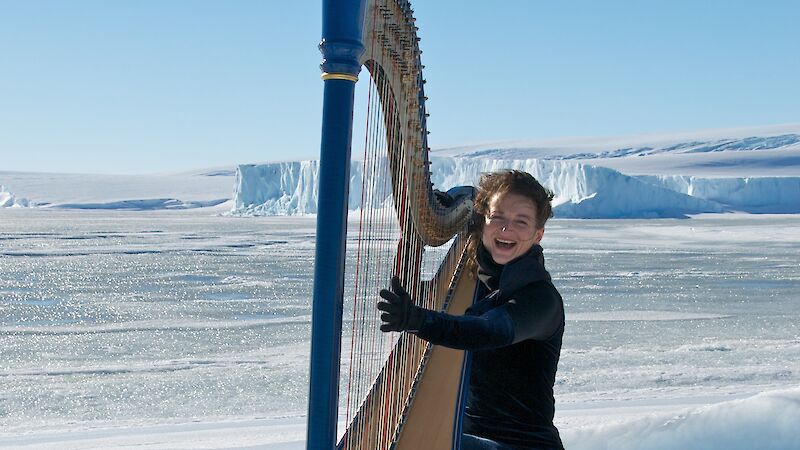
412	396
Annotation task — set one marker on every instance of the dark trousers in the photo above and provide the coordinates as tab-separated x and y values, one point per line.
470	442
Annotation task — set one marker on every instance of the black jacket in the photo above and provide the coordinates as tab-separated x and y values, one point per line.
514	334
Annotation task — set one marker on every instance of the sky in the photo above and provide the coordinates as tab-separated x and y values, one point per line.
162	86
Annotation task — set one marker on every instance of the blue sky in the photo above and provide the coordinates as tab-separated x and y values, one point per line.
170	85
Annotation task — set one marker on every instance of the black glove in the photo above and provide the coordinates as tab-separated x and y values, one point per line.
453	196
399	312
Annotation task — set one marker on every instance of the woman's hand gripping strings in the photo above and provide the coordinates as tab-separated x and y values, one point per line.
399	311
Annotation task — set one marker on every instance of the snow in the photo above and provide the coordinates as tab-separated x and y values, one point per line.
277	189
8	200
754	170
757	195
750	170
209	188
766	421
711	405
273	434
752	151
582	190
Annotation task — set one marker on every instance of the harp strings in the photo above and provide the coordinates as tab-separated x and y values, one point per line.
378	380
375	258
380	369
361	323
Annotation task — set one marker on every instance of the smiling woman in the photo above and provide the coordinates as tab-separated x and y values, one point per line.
514	332
515	207
510	229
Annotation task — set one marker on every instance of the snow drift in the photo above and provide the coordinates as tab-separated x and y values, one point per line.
767	421
199	189
8	200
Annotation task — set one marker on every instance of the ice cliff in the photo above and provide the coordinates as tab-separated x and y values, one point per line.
582	191
748	194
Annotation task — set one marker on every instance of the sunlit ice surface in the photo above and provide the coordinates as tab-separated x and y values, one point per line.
128	319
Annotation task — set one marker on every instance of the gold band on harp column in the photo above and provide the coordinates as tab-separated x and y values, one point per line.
339	76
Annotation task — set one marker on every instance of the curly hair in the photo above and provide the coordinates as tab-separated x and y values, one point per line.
503	182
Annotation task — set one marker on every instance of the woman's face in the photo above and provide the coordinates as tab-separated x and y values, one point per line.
510	229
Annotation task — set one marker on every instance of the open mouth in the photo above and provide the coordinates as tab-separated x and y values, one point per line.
505	245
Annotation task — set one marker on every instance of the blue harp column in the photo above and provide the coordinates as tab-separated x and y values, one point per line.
341	47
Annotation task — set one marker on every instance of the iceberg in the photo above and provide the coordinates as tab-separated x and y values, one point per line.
752	170
8	200
277	189
582	190
747	194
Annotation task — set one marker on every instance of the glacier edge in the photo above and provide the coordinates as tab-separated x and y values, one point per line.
582	190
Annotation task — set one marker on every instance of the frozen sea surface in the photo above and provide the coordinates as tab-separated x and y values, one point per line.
130	320
151	317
